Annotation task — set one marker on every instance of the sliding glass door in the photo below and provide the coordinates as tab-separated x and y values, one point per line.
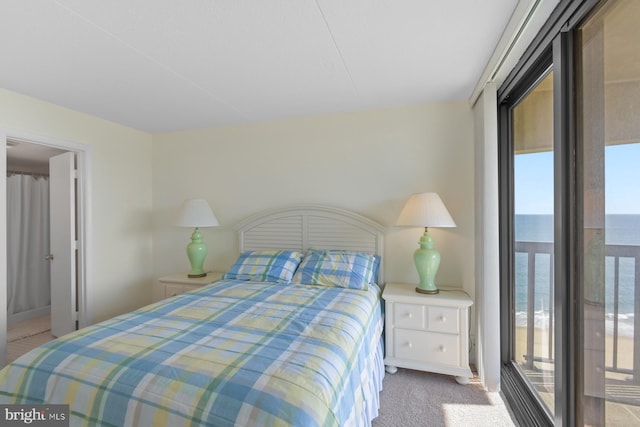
570	220
609	138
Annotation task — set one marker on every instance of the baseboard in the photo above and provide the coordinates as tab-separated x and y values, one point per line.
29	314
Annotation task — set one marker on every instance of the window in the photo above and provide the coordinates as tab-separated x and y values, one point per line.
533	239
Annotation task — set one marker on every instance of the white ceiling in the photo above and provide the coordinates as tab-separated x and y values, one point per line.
169	65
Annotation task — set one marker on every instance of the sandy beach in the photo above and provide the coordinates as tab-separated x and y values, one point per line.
541	347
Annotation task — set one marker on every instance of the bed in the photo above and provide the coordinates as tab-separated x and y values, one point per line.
292	335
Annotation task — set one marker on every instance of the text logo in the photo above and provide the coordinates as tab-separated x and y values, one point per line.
35	415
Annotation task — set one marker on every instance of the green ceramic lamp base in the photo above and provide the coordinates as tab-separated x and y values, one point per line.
196	251
427	261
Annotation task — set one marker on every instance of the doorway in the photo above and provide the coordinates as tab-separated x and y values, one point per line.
29	314
28	270
27	154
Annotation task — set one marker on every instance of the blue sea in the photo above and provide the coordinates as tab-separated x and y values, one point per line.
619	230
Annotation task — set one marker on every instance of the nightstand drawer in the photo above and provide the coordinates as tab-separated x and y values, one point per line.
177	284
409	316
443	319
420	346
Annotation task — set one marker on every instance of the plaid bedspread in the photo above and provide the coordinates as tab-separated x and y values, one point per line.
231	353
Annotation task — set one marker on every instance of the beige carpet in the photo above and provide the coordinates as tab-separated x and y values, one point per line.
28	328
27	335
413	398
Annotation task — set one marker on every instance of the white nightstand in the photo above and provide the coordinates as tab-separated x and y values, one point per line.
177	284
427	332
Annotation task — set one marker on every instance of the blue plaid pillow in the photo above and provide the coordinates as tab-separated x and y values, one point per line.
265	266
354	270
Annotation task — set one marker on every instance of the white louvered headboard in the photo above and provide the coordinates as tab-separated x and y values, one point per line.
302	227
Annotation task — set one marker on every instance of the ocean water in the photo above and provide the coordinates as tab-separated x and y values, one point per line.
620	230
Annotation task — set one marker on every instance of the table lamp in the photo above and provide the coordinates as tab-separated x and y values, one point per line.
196	213
426	210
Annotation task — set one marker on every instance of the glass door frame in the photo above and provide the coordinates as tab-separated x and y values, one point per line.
523	399
554	47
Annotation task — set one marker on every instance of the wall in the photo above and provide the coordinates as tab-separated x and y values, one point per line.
121	197
367	162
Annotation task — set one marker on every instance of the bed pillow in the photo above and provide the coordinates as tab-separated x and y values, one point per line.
265	266
345	269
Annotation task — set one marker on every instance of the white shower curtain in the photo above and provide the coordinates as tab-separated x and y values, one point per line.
28	272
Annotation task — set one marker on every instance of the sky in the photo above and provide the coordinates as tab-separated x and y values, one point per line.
534	181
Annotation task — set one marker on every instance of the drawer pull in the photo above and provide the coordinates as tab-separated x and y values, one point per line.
443	349
409	344
443	318
409	315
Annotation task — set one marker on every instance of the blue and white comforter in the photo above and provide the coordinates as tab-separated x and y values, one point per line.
232	353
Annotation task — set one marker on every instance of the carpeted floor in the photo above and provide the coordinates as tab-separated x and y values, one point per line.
24	336
420	399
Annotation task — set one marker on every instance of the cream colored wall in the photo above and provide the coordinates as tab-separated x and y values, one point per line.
121	194
367	162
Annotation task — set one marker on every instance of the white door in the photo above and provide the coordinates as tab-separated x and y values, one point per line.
63	243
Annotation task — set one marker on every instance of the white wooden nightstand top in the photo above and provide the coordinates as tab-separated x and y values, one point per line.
182	278
404	292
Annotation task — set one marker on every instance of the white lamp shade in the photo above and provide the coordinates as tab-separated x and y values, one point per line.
425	210
196	213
